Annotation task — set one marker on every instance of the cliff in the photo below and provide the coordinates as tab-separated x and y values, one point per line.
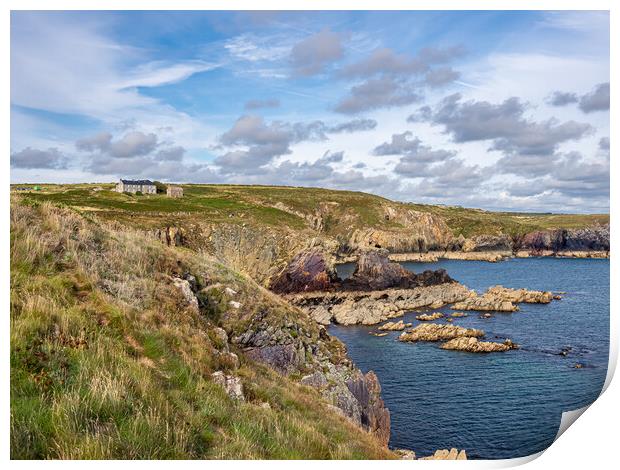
116	339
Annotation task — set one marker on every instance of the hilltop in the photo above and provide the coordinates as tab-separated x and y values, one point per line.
258	229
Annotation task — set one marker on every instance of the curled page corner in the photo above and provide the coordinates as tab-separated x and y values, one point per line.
568	418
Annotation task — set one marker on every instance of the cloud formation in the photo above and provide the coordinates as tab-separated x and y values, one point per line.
596	100
132	144
29	157
310	56
377	93
559	98
504	124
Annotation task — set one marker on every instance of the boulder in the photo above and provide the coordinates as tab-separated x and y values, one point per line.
231	384
438	332
185	288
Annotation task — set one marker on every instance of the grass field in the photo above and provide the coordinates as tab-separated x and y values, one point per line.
292	208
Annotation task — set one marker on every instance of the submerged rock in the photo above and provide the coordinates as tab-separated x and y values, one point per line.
471	344
437	332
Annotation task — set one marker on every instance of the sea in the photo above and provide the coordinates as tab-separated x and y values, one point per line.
497	405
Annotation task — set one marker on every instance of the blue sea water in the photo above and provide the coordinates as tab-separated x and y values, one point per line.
500	405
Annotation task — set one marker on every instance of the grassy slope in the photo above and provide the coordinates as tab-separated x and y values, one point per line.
253	205
106	362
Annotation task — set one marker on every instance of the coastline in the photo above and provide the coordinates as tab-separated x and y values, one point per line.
490	256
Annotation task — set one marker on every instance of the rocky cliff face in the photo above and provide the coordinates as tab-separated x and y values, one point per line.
594	238
405	231
311	269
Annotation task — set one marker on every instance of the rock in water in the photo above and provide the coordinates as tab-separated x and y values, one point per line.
405	454
436	332
431	317
471	344
393	326
309	270
503	299
445	454
375	271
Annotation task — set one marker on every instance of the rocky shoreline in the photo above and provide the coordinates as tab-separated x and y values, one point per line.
372	307
490	256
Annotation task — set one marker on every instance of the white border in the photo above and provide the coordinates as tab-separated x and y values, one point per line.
591	443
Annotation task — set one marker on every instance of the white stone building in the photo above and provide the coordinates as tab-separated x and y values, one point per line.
133	186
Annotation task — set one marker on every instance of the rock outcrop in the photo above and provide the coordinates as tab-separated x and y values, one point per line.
394	326
309	270
445	454
429	317
375	271
481	243
503	299
471	344
170	235
438	332
420	232
595	238
370	308
231	384
292	346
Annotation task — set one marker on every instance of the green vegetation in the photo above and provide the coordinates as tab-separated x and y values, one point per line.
470	222
290	208
107	361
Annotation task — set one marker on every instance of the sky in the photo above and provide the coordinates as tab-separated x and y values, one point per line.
496	110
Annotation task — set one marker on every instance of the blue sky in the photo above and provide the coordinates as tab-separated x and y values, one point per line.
500	110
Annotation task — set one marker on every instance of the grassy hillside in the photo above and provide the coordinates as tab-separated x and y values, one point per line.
107	360
290	208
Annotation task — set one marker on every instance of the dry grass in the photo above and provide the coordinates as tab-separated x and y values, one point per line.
107	361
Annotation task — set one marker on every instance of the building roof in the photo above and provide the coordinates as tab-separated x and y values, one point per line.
147	182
